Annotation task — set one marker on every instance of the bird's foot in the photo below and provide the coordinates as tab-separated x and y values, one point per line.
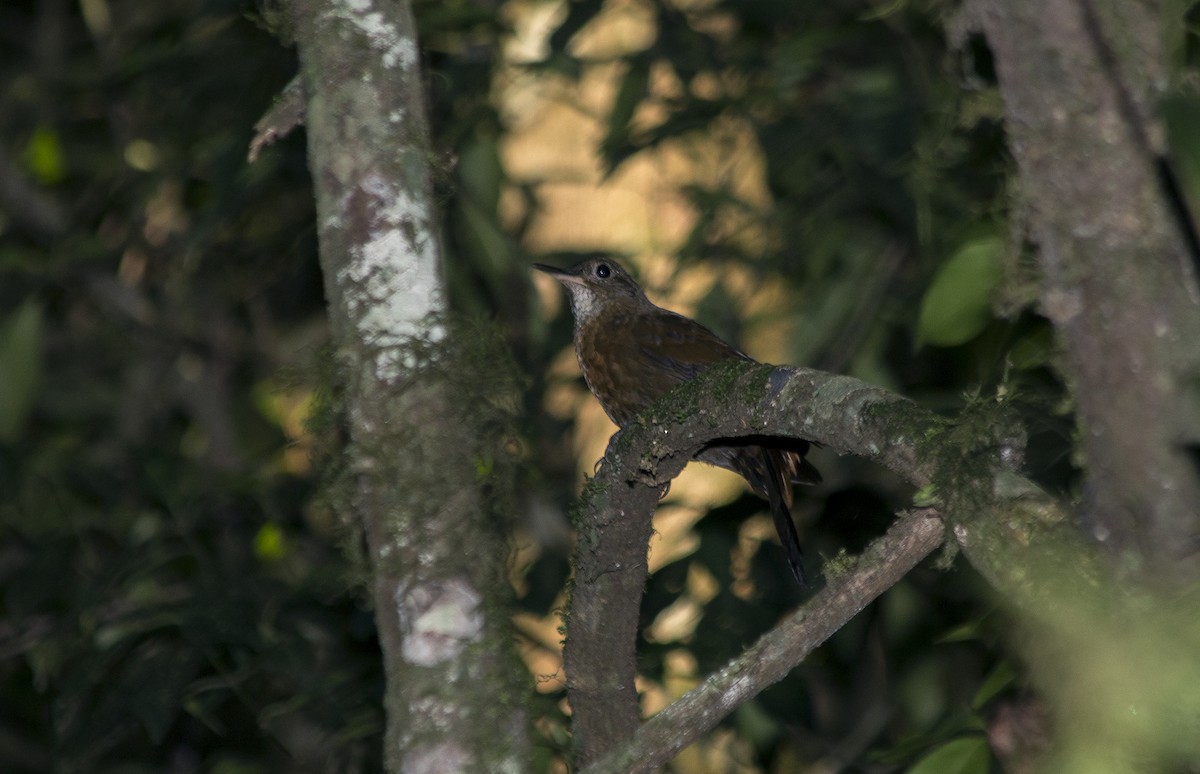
646	473
610	452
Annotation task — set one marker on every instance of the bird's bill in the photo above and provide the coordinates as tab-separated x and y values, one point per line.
562	275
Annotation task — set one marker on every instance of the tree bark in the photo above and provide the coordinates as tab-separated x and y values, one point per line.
455	689
1078	80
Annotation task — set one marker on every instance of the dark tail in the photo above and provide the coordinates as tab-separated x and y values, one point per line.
783	518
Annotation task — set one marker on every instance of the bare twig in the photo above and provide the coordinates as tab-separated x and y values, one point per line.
285	115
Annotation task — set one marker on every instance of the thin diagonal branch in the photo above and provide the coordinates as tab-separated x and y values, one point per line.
285	115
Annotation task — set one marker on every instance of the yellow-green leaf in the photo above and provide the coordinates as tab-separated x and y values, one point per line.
967	755
270	544
926	496
957	305
1001	677
44	156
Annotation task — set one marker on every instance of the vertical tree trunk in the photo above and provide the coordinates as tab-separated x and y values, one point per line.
1118	281
455	689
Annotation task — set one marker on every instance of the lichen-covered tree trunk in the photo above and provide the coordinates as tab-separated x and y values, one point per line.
1079	82
455	689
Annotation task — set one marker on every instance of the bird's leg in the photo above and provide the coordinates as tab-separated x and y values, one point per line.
644	474
609	452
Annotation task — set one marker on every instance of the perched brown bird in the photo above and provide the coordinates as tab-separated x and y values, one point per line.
632	353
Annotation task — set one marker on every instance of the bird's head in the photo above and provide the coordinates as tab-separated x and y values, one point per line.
595	286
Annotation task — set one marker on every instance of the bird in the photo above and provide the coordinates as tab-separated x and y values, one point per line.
632	352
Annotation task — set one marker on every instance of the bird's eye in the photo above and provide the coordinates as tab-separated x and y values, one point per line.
602	271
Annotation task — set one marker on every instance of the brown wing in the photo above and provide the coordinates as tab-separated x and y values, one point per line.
682	347
632	362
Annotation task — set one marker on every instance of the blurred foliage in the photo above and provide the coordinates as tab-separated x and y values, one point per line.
174	594
173	591
21	363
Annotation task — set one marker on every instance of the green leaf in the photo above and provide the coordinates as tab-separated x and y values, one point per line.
1032	350
485	238
1001	676
270	544
482	173
926	496
957	305
967	755
884	10
44	156
1182	114
231	765
20	367
798	59
965	632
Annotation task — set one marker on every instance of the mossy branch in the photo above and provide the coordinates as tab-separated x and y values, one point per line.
968	465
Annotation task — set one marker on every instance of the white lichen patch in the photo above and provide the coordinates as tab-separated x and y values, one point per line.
446	758
737	693
438	619
396	49
436	711
391	282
